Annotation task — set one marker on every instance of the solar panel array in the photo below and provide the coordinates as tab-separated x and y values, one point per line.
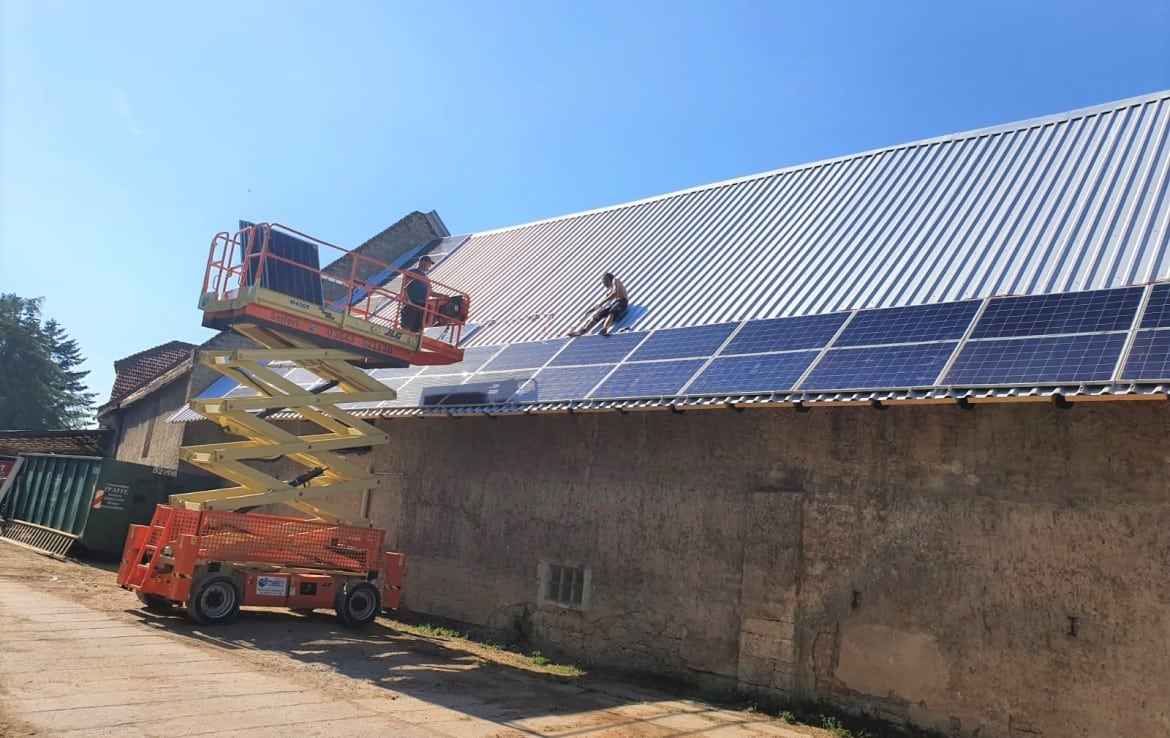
1095	337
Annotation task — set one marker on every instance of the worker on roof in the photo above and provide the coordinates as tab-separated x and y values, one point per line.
416	290
611	309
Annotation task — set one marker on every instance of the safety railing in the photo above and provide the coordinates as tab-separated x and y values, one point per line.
287	261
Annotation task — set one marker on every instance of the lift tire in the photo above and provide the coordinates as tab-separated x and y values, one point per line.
214	600
358	604
154	603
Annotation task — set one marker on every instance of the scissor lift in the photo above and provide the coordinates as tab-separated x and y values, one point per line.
207	551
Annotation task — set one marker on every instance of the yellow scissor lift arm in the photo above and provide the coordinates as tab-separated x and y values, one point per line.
359	328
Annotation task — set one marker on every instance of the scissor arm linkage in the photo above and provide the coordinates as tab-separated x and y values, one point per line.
265	441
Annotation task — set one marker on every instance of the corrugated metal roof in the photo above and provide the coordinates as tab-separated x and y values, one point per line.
1073	202
1064	203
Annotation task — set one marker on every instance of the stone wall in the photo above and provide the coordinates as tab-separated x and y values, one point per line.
141	431
1000	571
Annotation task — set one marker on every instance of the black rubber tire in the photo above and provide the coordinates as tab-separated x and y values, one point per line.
154	603
214	600
358	604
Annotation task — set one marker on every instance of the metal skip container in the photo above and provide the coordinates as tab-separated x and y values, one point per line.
57	502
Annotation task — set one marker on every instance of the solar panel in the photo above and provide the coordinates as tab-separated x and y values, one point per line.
1149	359
1046	360
487	389
572	383
681	343
473	359
752	374
1073	312
525	355
785	334
290	268
880	367
947	321
302	377
241	390
411	394
1157	313
219	388
391	376
228	387
598	349
648	379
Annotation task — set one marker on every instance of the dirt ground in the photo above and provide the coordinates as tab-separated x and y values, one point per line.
391	660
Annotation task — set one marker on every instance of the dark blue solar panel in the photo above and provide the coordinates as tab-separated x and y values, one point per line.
653	379
1072	312
525	355
290	267
1157	313
473	359
1037	360
680	343
596	349
569	383
880	367
785	334
1149	359
948	321
743	375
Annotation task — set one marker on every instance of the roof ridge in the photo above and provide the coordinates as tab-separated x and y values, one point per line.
1021	125
168	345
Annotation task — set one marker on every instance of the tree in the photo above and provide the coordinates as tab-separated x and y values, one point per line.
40	387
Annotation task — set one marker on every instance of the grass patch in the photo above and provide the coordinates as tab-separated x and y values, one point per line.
508	652
434	630
812	714
547	664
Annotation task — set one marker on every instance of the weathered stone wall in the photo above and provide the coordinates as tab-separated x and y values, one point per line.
921	563
143	435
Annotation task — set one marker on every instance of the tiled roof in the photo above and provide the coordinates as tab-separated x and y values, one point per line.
134	372
73	442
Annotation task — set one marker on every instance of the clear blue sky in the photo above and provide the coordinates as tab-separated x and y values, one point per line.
134	131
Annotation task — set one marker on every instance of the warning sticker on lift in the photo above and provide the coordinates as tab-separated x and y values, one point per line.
272	586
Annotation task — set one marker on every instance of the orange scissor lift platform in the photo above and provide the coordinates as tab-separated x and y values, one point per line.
203	552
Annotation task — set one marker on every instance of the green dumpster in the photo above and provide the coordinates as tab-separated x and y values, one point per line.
91	500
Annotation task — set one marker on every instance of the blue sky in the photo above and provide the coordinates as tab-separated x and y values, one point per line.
133	131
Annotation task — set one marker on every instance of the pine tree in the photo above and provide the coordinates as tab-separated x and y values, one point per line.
40	388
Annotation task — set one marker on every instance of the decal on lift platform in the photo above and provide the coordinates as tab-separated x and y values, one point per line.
272	586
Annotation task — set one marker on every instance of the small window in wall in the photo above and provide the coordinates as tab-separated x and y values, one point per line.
565	585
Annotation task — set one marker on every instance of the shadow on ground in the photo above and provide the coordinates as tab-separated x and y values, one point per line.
435	670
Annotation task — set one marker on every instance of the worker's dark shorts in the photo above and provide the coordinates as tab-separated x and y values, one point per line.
412	318
617	309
